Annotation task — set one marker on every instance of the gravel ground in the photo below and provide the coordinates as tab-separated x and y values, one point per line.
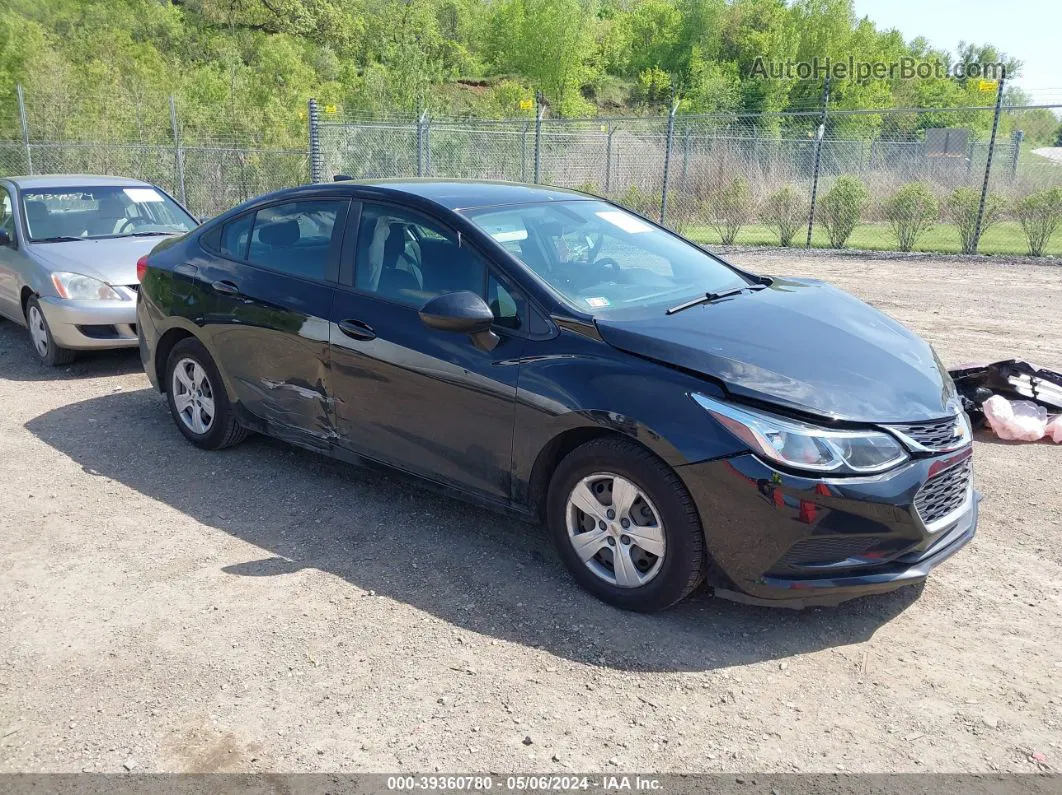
264	609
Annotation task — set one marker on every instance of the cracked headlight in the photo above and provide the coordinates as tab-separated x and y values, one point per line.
802	446
77	287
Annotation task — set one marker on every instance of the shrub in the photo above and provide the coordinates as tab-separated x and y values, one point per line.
842	208
910	211
785	211
1039	215
731	209
961	207
640	201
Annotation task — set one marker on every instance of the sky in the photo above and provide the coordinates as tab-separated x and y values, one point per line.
1029	30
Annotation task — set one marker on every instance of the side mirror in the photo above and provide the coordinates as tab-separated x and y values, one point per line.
463	312
5	239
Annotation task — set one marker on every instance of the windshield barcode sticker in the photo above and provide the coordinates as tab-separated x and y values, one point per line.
140	195
626	222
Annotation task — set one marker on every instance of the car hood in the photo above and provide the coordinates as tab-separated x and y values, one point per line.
800	344
111	259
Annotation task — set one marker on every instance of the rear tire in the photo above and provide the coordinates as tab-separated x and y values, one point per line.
639	545
48	353
198	402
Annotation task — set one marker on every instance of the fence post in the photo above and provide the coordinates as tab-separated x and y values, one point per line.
25	128
818	157
523	152
420	143
667	159
1019	136
178	153
316	166
608	160
988	164
540	111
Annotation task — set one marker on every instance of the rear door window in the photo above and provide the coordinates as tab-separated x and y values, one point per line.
235	236
296	238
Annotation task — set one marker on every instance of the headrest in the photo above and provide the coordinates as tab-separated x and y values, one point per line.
281	233
111	207
36	211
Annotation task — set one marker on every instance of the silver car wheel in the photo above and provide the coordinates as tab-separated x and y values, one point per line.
38	331
193	395
615	530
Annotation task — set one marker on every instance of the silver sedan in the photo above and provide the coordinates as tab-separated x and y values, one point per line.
68	252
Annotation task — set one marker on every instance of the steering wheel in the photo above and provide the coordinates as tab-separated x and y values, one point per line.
612	268
130	222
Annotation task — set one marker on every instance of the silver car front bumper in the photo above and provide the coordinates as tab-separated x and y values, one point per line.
84	325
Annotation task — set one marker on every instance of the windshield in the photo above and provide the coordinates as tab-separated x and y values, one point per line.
602	258
111	211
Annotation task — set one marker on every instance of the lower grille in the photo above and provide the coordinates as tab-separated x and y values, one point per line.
942	494
830	549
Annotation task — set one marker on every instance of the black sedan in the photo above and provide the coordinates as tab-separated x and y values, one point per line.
671	417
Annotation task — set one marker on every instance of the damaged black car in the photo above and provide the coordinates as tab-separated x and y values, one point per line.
673	419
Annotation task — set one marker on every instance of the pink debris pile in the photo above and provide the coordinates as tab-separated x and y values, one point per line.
1021	420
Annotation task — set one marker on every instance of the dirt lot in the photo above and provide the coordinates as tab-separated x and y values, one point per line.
166	609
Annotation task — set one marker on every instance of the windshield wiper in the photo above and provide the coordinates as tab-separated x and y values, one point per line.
708	298
56	239
148	234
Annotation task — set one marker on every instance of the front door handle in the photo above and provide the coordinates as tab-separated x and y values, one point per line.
226	287
357	329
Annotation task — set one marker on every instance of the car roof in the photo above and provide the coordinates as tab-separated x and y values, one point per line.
470	194
73	181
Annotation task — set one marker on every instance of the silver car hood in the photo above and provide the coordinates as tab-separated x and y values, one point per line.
111	259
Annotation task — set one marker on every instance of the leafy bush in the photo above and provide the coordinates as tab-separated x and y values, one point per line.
961	207
910	211
785	211
1039	215
640	201
842	208
731	209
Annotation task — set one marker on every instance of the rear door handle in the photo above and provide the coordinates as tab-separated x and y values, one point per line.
357	329
226	287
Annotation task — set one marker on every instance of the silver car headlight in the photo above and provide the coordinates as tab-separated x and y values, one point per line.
78	287
803	446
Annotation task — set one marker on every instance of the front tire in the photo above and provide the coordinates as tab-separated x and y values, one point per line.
197	399
625	526
44	344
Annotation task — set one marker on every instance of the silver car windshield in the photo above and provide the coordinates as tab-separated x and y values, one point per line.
603	259
64	213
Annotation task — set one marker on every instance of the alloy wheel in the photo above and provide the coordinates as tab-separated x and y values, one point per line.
193	395
615	530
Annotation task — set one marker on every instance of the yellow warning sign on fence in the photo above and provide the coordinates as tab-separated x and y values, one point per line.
527	104
331	109
987	85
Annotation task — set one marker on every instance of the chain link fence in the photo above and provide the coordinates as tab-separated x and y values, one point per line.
745	179
209	171
906	179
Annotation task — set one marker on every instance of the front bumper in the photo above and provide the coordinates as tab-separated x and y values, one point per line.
780	539
87	325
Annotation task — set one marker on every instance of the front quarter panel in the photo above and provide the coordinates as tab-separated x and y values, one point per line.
575	382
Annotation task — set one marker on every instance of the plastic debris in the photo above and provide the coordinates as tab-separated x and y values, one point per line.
1016	399
1014	379
1019	420
1054	430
